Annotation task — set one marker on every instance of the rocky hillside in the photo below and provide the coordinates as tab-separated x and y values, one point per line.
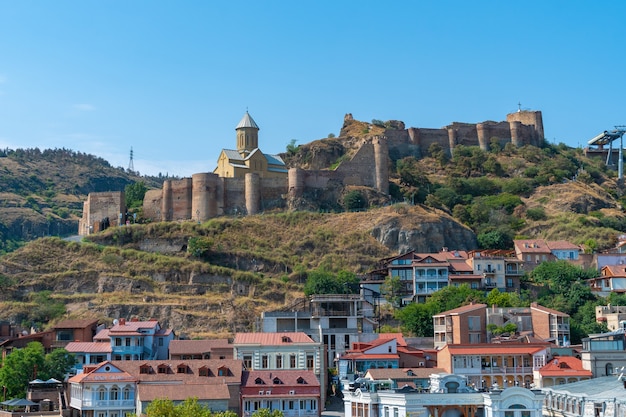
254	263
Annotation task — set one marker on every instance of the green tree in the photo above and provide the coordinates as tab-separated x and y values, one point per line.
292	148
391	290
199	246
451	297
265	412
161	407
20	367
134	194
57	364
417	319
354	200
322	281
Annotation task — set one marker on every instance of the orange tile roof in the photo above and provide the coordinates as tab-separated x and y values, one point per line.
494	349
272	339
536	306
179	347
565	366
75	324
88	347
461	310
150	392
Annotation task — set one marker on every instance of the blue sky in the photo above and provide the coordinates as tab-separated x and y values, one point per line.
173	78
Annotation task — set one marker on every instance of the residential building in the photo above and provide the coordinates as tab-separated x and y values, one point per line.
491	364
561	370
604	354
422	274
465	324
448	395
388	351
88	354
470	323
613	316
335	320
597	397
534	251
612	279
292	392
118	388
103	391
68	331
200	349
281	351
136	340
550	325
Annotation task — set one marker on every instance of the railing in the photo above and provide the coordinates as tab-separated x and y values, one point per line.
127	349
89	402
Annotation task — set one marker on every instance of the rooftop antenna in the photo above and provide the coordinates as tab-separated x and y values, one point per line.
131	166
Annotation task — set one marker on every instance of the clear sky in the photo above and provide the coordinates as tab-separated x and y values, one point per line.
172	79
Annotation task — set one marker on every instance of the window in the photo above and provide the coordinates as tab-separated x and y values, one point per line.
126	393
127	341
204	371
292	360
509	282
279	361
247	361
473	323
181	369
163	369
223	371
264	362
118	341
145	369
474	338
160	341
310	362
102	394
115	394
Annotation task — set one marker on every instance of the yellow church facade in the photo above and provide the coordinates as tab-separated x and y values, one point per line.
248	158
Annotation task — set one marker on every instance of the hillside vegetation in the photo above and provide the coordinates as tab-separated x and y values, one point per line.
216	277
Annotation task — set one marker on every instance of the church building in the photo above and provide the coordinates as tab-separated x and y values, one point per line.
248	158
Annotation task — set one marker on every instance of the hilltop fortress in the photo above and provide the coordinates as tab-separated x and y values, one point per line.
246	181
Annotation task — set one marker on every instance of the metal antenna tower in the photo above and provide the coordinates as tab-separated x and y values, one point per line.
131	166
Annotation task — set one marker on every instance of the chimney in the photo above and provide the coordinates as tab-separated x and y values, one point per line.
122	322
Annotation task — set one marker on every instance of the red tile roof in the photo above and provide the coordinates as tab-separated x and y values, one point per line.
150	392
535	306
75	324
272	339
180	347
88	347
495	349
565	366
280	383
461	310
192	370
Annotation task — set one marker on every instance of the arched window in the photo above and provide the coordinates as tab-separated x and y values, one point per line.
126	393
115	393
102	394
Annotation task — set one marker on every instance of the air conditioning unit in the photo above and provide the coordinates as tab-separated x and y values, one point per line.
292	392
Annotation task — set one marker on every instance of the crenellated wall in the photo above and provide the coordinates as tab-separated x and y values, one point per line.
207	195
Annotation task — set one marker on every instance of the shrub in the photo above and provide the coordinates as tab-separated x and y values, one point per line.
536	213
354	200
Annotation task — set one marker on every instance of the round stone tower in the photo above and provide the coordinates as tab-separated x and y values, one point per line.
247	134
296	182
204	196
166	202
381	160
483	131
253	193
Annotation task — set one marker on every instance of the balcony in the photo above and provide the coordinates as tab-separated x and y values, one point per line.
127	350
94	403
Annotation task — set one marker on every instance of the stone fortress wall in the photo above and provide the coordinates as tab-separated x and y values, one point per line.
207	195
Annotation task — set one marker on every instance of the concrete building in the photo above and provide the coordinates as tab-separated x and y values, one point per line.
471	323
335	320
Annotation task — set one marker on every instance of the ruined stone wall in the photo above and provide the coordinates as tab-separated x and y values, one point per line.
273	193
152	202
424	138
101	206
234	196
529	118
360	170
